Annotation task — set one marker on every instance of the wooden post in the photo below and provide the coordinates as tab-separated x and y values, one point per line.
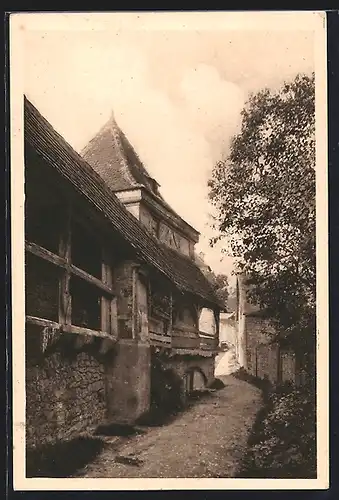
106	302
65	300
217	324
134	302
170	325
279	362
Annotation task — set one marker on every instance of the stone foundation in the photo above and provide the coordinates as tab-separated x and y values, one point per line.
79	382
63	397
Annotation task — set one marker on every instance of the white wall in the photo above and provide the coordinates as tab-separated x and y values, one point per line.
207	322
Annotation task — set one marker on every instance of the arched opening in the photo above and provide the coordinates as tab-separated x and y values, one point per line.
194	381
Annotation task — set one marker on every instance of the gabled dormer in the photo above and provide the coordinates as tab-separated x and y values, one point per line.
115	160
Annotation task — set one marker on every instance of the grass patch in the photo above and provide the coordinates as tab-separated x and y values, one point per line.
282	443
263	384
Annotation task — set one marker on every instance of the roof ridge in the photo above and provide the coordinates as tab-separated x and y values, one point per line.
115	129
122	148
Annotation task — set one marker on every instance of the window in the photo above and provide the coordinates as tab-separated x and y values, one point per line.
86	304
85	251
184	314
42	288
68	273
44	216
160	303
160	306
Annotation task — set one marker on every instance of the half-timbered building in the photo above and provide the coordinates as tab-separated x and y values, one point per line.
114	296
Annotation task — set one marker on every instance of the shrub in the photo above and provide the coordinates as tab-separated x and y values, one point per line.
283	443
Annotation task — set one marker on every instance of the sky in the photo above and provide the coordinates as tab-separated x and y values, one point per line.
176	90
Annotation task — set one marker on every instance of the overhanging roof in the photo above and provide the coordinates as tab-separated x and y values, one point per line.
56	152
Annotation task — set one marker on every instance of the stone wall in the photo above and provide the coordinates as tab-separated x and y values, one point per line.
264	358
261	356
267	359
76	385
64	396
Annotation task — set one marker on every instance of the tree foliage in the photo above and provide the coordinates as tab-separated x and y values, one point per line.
283	441
219	284
264	194
221	287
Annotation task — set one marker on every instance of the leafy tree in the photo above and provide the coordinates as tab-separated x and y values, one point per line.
264	195
220	285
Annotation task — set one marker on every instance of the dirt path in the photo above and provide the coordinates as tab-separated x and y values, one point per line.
207	440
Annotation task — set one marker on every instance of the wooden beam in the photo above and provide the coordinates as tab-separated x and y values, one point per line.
158	343
65	299
162	339
185	328
170	324
86	331
91	279
186	342
62	262
134	301
106	276
204	335
45	254
34	320
176	332
114	316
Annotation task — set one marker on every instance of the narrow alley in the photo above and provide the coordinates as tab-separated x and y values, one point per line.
207	440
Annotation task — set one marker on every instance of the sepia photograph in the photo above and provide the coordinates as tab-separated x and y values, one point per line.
169	250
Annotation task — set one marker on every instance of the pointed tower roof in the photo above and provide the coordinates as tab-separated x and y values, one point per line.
111	154
113	157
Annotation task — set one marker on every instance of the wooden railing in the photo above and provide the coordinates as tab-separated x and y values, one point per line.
160	340
208	343
184	339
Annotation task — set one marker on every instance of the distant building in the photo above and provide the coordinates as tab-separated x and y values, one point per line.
113	294
228	329
258	348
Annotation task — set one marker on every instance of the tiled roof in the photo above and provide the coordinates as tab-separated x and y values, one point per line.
188	272
113	157
55	151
